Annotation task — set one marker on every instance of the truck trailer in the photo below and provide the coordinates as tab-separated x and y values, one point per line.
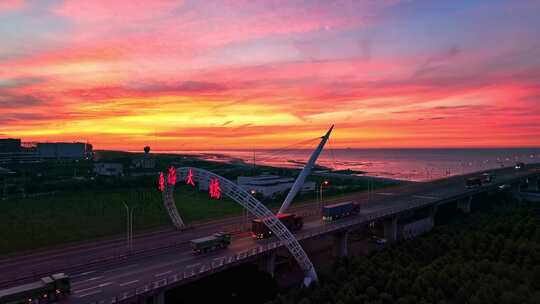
210	243
292	221
337	211
49	289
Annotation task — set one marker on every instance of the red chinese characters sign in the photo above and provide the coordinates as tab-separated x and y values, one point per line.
189	178
161	182
171	176
214	188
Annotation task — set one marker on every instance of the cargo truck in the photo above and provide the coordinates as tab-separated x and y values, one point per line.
292	221
49	289
210	243
473	182
337	211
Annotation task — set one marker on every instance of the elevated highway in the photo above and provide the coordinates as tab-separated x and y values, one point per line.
164	260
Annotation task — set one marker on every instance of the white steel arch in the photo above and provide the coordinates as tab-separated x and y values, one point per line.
170	206
255	207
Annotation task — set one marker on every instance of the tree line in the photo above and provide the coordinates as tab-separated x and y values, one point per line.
492	257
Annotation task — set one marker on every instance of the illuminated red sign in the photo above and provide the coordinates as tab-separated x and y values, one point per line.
171	177
189	178
214	189
161	182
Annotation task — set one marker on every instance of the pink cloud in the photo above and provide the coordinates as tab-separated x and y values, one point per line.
11	5
118	10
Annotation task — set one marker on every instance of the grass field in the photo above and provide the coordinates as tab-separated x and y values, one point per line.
69	217
32	223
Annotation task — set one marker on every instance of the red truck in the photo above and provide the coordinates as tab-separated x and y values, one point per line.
292	221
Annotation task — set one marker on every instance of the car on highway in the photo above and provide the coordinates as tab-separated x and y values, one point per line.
519	165
488	177
473	182
505	187
378	240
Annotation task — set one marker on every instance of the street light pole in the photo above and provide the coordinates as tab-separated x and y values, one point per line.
325	183
131	229
127	225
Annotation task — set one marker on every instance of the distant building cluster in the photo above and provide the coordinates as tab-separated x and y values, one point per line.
14	150
10	145
61	150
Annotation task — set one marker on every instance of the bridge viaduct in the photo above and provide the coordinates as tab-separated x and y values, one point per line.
388	213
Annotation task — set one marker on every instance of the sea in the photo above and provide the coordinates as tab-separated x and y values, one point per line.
402	164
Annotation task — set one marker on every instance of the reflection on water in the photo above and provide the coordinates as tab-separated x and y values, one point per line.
408	164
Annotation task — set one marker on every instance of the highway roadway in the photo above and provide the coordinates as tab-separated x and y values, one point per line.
110	278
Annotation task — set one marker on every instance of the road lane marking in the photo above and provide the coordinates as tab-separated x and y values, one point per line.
425	196
385	193
95	278
121	268
193	265
128	283
82	274
86	281
93	287
163	273
88	294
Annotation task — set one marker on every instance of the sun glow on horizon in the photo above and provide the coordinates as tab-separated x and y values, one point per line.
226	75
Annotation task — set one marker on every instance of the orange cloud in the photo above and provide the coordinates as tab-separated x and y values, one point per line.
262	74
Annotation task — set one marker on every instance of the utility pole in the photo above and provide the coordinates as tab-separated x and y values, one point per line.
325	183
4	194
129	227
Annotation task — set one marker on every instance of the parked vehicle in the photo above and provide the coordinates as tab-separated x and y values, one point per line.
292	221
210	243
337	211
378	240
49	289
505	187
488	177
520	165
473	182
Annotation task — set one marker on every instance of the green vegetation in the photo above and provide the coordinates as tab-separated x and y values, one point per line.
74	216
486	258
84	207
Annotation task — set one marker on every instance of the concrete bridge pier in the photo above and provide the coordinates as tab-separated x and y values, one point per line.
391	229
270	263
433	212
465	204
534	184
341	244
158	298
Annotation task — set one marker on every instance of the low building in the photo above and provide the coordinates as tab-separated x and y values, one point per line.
109	169
271	185
145	162
10	145
62	150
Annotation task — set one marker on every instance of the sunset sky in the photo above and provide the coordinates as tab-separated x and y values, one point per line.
253	74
